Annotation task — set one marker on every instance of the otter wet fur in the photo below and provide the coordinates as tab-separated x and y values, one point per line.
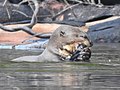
62	43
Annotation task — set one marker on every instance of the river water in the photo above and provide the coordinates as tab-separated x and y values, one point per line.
102	73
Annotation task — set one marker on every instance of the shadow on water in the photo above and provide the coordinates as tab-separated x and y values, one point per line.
103	73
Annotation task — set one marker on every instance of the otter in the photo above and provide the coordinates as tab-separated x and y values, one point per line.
62	41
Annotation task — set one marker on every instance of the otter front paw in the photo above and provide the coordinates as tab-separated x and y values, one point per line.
82	53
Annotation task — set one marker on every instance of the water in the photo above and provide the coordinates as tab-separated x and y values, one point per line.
103	73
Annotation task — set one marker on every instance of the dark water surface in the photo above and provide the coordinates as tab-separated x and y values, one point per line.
103	73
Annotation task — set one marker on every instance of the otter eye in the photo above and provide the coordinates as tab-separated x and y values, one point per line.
62	33
77	35
84	37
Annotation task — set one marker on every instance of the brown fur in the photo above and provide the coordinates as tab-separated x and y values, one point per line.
62	36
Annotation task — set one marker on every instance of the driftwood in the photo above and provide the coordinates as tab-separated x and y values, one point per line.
15	16
87	13
107	30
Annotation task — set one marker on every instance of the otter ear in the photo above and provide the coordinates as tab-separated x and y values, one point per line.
62	33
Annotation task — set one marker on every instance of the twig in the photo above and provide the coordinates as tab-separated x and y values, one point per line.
21	13
63	11
26	28
29	3
4	5
4	2
66	2
23	1
8	13
33	9
42	35
72	11
34	19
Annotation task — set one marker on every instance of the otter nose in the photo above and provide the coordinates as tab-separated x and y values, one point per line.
87	42
91	43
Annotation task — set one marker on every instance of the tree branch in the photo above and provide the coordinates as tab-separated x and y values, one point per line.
63	11
26	28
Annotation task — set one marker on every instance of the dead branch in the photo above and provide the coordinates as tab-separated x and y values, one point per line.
34	19
4	2
4	5
43	35
7	12
72	11
64	10
70	7
20	13
27	28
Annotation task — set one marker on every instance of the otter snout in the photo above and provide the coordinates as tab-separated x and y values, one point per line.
91	43
87	42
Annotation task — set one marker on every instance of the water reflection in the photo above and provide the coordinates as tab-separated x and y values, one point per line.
61	76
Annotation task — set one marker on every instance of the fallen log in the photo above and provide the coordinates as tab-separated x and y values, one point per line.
89	13
107	30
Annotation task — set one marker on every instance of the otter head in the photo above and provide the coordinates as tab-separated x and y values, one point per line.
65	40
